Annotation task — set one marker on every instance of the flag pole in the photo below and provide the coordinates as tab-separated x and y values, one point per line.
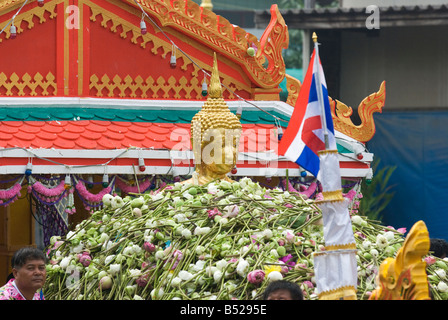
319	90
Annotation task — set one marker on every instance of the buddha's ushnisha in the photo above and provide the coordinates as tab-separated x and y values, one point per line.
215	136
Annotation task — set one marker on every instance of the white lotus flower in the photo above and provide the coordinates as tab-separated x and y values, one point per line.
389	235
185	275
116	202
366	244
217	275
221	264
159	255
242	267
65	262
186	234
374	253
381	241
109	259
175	282
274	276
107	199
114	269
441	273
267	233
442	287
212	188
135	273
357	220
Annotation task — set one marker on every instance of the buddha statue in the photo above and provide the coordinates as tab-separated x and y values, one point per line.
215	136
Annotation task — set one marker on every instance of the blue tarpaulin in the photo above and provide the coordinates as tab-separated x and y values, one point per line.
416	142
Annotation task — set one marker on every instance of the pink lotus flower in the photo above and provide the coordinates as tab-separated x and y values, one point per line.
430	260
142	281
212	213
308	284
232	211
149	247
256	276
402	230
85	259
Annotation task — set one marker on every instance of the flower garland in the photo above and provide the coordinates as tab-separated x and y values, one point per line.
8	196
89	199
46	195
140	188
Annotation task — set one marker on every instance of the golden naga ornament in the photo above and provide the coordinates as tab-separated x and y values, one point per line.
341	113
215	136
371	104
405	278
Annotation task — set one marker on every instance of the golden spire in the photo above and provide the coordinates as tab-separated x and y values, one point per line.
215	84
207	4
314	37
218	129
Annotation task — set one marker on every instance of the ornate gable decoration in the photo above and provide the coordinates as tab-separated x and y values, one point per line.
228	39
82	62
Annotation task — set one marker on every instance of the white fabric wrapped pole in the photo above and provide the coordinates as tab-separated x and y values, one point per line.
329	173
338	230
335	272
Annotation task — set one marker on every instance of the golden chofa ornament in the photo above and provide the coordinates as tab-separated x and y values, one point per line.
215	136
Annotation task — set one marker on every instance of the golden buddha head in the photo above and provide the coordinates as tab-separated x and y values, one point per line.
215	134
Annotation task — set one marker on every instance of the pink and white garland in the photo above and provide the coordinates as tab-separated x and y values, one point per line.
11	194
91	200
142	187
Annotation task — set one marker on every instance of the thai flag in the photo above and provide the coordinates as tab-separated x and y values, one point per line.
305	134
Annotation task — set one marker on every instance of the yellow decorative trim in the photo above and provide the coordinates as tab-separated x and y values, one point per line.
28	16
81	5
66	53
404	277
324	152
335	195
340	247
144	88
26	82
342	293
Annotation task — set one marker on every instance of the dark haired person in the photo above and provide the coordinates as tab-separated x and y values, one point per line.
28	268
438	247
282	290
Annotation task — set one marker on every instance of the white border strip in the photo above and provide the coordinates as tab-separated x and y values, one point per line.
151	154
162	170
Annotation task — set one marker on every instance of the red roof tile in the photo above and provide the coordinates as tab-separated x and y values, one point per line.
94	134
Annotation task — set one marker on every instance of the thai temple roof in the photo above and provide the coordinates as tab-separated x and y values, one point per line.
87	86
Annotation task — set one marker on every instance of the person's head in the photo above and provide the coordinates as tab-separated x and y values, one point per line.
28	268
283	290
438	247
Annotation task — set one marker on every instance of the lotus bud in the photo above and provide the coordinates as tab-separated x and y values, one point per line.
149	247
105	283
256	276
274	276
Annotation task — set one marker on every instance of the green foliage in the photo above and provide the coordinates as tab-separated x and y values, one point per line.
378	193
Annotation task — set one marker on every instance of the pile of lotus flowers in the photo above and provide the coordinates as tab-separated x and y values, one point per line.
224	240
